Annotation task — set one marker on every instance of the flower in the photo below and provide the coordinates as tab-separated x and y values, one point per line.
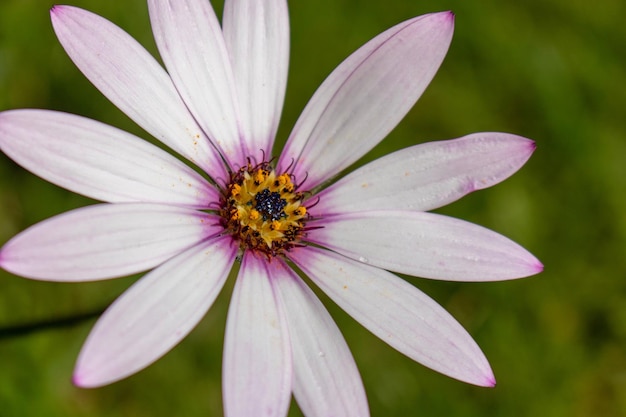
218	105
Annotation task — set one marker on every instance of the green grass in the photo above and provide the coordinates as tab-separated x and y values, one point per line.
551	70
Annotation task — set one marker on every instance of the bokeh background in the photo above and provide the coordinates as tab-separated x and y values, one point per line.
551	70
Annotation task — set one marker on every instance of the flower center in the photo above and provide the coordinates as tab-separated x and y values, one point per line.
263	210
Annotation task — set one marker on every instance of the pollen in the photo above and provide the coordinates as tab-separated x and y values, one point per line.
254	215
263	211
235	190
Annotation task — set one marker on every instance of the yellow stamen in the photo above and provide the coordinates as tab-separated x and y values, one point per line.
283	180
262	210
259	176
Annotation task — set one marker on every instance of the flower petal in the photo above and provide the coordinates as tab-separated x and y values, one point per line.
191	44
257	39
428	176
326	379
99	161
257	370
135	82
105	241
366	97
426	245
155	314
398	313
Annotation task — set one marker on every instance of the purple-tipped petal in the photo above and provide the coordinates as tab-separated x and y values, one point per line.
191	44
105	241
257	369
426	245
135	82
398	313
428	176
366	97
155	314
99	161
257	39
326	379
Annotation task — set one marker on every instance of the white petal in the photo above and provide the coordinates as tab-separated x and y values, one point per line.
398	313
257	370
191	44
428	176
105	241
99	161
366	97
257	39
155	314
326	379
426	245
134	81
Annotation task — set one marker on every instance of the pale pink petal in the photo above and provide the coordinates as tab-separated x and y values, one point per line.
326	379
257	370
105	241
428	176
155	314
99	161
134	81
366	97
398	313
257	39
426	245
191	44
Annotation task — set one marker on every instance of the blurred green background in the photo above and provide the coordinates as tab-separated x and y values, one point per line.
551	70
